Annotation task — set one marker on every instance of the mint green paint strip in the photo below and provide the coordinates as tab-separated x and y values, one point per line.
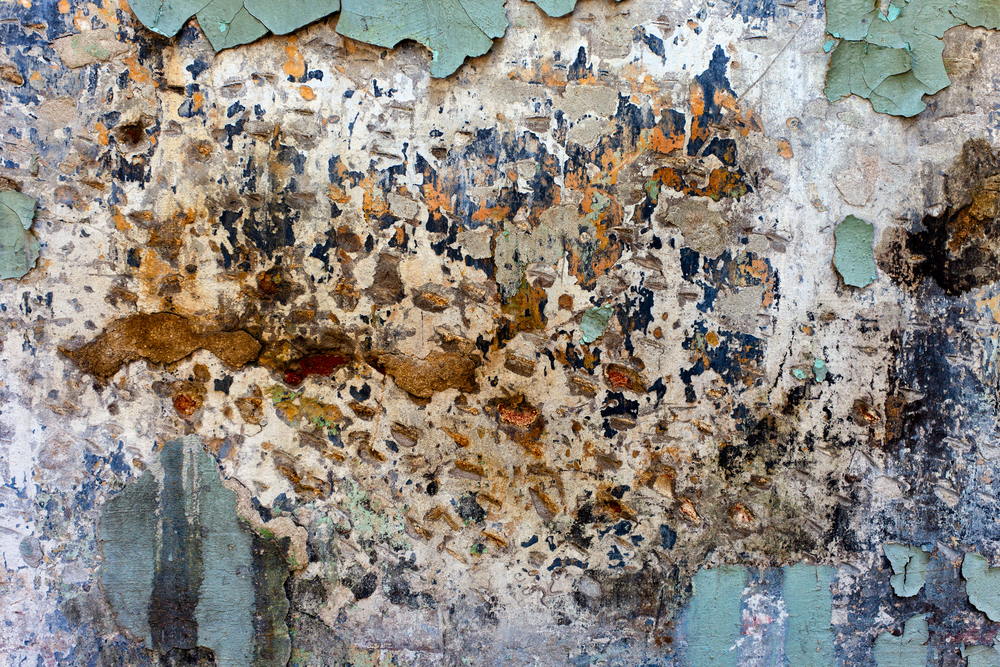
982	583
809	638
226	599
907	650
594	321
713	621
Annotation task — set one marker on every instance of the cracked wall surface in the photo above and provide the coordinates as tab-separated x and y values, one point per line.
621	345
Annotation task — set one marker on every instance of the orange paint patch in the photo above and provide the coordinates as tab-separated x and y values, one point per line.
63	7
295	64
102	133
785	149
307	93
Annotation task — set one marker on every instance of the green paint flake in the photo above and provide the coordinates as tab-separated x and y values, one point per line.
981	656
594	321
982	584
907	650
896	60
799	373
233	597
809	638
451	29
829	45
373	523
713	621
556	8
909	567
284	17
18	246
820	370
854	256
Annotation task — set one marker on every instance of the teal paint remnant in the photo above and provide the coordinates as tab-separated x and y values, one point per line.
982	584
907	650
556	8
829	45
909	567
713	622
452	29
127	535
896	60
799	373
18	246
854	256
594	321
981	656
809	637
820	370
182	570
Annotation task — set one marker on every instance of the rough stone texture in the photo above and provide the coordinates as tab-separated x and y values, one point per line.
545	348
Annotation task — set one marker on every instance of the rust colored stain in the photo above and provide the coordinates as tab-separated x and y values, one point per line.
316	364
522	415
185	405
160	338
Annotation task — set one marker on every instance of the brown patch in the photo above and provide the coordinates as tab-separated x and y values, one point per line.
250	407
387	287
308	486
425	377
160	338
432	298
622	377
521	421
565	302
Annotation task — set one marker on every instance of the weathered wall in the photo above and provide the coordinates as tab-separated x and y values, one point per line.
546	362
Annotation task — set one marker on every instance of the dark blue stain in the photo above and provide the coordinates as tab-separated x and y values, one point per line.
223	384
531	540
234	109
723	358
668	538
615	558
133	259
568	562
579	68
712	81
652	42
197	67
635	314
362	393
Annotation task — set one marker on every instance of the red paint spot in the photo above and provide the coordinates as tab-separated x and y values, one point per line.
617	378
522	416
316	364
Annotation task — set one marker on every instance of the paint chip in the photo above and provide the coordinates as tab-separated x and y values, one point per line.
594	321
982	584
854	256
18	246
909	567
907	650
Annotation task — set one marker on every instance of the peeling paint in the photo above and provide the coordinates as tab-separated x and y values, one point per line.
854	256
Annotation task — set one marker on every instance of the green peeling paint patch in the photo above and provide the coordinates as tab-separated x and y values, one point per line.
820	370
907	650
894	59
981	656
181	569
18	246
806	592
556	8
451	29
854	256
713	622
982	584
594	321
909	568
